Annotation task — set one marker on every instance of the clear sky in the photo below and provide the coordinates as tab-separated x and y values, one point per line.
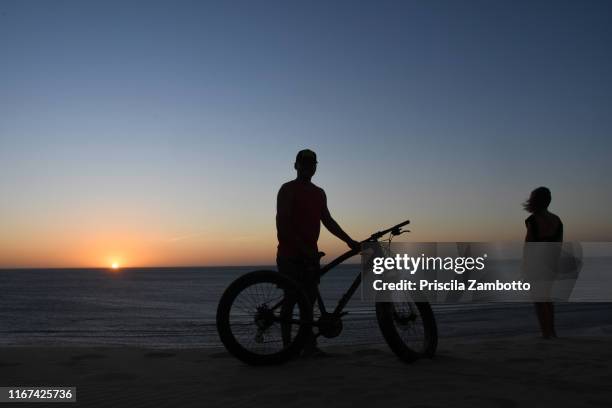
158	133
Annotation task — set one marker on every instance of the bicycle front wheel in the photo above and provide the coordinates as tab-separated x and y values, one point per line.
264	318
409	328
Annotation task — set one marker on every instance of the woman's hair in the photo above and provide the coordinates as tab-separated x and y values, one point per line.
538	200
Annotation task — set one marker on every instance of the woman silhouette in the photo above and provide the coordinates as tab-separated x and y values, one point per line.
543	226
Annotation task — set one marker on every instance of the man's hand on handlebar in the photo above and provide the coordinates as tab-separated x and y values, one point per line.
354	245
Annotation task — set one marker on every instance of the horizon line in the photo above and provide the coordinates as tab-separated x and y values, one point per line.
148	267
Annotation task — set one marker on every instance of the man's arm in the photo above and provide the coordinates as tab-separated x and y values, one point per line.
333	227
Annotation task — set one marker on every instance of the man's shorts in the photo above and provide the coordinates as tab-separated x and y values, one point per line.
304	274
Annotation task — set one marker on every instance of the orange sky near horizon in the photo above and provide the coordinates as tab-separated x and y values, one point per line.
223	247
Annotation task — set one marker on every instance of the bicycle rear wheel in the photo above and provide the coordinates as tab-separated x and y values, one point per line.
409	328
263	318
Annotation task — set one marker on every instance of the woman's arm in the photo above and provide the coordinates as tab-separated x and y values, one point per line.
530	236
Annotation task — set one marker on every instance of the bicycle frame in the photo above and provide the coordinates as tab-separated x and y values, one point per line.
352	289
395	230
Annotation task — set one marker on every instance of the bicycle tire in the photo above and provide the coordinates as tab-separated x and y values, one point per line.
247	353
387	317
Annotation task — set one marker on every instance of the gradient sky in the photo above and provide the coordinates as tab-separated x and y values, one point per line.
158	133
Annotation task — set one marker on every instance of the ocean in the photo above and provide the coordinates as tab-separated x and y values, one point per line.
175	308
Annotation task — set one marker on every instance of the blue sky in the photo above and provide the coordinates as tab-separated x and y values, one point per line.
160	120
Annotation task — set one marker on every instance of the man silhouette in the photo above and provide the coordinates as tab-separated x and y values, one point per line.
301	208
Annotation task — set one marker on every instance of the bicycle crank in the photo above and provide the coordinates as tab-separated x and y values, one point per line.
330	325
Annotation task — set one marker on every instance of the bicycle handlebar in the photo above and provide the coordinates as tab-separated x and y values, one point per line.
379	234
355	251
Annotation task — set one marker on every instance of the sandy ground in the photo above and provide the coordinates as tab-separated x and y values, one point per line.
518	371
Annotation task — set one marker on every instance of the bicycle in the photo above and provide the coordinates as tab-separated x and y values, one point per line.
265	317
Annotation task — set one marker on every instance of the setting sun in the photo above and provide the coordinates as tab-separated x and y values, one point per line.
115	265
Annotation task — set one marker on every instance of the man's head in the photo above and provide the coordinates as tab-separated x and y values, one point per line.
306	163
